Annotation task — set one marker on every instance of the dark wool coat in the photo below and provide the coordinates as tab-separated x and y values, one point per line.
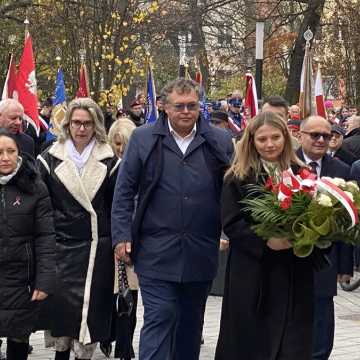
82	304
267	310
27	249
341	255
352	142
176	230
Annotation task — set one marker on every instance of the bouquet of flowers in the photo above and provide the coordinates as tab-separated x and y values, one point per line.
307	211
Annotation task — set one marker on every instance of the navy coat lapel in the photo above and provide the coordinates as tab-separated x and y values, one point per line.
325	166
161	128
198	140
170	143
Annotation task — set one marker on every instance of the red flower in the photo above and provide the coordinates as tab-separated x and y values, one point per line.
307	174
286	203
269	185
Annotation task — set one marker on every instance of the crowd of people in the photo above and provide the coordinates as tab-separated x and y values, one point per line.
160	200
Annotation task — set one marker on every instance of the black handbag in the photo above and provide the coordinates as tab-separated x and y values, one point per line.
124	299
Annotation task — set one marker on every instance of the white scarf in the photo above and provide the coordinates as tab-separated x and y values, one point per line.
4	179
79	159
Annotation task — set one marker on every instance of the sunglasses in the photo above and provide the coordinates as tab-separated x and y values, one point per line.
182	106
317	135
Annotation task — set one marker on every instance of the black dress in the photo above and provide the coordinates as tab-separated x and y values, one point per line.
267	310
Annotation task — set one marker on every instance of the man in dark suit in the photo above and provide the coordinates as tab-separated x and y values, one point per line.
11	115
336	149
315	134
176	166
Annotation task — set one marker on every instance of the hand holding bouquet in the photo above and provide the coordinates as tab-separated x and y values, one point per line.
306	211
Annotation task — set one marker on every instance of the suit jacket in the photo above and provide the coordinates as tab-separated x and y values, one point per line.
355	171
26	143
341	255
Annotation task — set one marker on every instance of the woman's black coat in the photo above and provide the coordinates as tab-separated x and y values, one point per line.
267	309
27	250
81	307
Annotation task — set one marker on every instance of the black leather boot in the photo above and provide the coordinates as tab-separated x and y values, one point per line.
16	350
62	355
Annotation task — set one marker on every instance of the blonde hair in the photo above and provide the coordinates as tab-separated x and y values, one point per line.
247	159
122	127
96	114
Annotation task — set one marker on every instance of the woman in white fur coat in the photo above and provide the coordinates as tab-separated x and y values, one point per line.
80	172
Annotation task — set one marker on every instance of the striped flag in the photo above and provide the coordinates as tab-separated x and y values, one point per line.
10	81
319	95
251	99
84	89
306	100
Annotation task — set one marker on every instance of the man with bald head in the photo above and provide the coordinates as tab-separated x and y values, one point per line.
11	117
315	135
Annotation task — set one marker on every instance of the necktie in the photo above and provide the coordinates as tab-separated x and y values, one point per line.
313	166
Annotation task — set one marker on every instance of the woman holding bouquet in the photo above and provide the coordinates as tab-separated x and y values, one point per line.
267	310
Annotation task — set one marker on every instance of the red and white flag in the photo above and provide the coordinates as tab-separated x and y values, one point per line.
84	89
251	99
306	99
26	85
319	95
10	81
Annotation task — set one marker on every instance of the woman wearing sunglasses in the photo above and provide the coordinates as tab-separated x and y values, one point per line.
80	171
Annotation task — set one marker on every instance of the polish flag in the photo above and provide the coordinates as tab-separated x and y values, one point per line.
84	89
233	126
10	81
26	86
251	100
319	95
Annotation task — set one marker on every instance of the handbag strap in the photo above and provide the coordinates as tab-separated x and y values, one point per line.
122	276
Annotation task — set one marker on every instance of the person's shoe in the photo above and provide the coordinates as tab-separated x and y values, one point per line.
16	350
106	348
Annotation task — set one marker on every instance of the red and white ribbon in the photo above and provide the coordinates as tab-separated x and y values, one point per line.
328	186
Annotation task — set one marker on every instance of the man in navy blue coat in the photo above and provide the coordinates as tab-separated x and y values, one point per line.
315	134
175	167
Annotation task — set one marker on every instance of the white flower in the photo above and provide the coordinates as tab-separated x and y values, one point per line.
324	200
352	185
350	195
339	182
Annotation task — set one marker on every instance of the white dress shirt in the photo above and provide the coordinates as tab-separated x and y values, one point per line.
182	142
319	162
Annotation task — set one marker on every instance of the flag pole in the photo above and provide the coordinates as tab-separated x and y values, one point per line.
259	57
27	23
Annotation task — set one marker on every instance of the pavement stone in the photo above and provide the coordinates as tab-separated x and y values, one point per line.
347	333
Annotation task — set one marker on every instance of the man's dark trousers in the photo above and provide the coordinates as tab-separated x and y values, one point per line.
173	319
324	327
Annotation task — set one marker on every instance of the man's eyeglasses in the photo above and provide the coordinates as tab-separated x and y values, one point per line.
76	124
317	135
193	106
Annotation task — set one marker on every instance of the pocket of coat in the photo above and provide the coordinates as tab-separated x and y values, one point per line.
29	263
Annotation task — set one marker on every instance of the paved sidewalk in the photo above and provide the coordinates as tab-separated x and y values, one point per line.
347	339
